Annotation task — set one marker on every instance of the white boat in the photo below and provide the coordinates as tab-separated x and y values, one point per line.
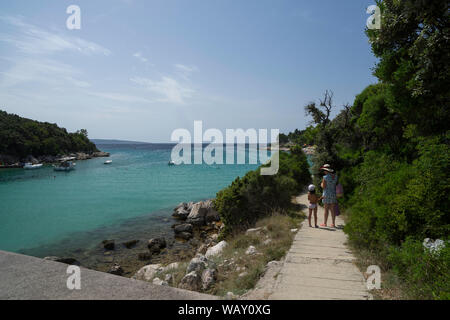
30	166
108	162
65	166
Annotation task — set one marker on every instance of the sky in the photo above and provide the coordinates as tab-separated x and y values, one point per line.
139	69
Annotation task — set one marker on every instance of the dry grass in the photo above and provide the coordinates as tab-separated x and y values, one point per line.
238	271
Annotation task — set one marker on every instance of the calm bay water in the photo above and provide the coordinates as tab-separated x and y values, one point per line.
43	210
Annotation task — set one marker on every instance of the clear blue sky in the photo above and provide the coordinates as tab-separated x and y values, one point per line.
139	69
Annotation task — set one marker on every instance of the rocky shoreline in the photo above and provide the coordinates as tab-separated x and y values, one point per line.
7	161
194	244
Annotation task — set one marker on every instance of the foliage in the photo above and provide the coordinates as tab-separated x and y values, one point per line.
254	196
426	271
21	137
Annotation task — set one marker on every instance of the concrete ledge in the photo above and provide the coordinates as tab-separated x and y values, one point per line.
29	278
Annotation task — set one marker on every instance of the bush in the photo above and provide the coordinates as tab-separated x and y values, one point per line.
254	196
424	271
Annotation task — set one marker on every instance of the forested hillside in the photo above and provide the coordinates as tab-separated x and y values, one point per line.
21	137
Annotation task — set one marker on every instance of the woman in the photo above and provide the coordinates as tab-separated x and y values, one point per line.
329	182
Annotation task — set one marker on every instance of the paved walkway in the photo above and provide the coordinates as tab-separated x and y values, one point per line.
24	277
318	266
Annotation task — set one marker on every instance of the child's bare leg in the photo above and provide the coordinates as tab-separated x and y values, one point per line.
333	215
315	216
309	217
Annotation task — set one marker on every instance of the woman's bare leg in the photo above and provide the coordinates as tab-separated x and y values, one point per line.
333	214
325	215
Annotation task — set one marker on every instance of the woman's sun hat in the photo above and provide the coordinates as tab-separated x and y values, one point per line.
311	187
328	170
326	167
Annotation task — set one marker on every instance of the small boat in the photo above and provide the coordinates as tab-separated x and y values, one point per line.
108	162
30	166
171	163
65	166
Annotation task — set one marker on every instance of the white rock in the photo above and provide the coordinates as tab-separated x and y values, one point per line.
251	250
160	282
231	296
172	266
253	230
267	241
216	250
243	274
294	230
147	272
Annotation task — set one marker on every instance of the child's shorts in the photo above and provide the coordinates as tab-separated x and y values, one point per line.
312	205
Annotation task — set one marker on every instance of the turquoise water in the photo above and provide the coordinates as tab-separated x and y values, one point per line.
39	208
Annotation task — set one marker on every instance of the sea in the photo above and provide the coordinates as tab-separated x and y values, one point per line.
49	213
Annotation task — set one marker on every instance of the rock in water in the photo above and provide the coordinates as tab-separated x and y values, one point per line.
216	250
185	227
184	235
108	244
70	261
116	269
156	245
191	281
145	256
130	244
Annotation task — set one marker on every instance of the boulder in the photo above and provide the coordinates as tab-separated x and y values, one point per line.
198	264
108	244
148	272
192	281
184	235
71	261
180	213
212	215
197	214
216	250
209	277
185	227
130	244
155	245
172	266
116	269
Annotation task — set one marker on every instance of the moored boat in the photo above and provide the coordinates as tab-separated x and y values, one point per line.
65	166
108	162
30	166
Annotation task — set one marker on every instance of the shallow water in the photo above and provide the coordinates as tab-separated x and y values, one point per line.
43	212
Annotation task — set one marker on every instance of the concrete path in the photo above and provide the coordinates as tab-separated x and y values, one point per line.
318	266
29	278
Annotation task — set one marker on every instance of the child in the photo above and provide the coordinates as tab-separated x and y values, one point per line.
313	201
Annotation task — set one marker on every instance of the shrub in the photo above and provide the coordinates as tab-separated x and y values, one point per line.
254	196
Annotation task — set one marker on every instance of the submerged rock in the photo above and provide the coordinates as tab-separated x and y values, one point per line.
108	244
184	235
130	244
